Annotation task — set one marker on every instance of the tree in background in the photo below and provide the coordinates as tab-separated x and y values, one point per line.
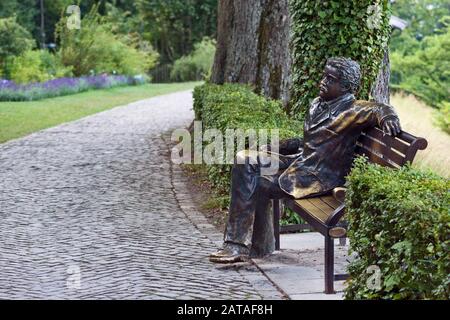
420	54
25	11
420	60
95	48
197	65
253	46
426	71
424	18
174	26
14	40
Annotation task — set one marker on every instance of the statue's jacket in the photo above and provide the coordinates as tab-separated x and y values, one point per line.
326	153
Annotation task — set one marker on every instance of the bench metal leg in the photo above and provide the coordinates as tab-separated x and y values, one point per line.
276	222
329	265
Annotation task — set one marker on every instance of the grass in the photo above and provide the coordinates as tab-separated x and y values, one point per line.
418	119
18	119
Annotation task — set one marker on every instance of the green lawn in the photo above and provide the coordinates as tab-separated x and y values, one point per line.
18	119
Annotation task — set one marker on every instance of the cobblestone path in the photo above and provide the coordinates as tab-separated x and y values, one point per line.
88	211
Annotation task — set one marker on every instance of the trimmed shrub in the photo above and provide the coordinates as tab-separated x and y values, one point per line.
399	221
236	106
356	29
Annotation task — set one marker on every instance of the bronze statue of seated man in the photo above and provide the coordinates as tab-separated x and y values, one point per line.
308	167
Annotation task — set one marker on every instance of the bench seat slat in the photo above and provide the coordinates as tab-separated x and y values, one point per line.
312	210
331	201
316	208
322	205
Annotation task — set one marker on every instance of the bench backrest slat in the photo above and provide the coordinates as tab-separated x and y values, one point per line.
389	151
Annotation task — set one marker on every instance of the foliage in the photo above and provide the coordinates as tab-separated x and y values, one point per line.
174	26
124	20
443	117
424	19
399	221
235	106
291	217
419	59
37	66
14	40
28	13
425	71
94	48
323	29
197	65
25	12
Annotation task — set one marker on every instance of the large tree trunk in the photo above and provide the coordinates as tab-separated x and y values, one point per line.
253	46
380	89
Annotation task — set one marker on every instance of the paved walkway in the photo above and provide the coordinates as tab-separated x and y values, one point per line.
88	210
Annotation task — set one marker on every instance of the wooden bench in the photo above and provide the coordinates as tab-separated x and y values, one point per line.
324	213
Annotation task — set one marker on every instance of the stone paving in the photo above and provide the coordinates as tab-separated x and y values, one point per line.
88	211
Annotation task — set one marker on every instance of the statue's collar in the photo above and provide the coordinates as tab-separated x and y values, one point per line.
340	102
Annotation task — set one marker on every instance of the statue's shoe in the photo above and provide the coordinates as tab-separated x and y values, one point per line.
229	259
230	253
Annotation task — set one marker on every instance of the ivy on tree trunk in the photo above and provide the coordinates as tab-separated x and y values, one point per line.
356	29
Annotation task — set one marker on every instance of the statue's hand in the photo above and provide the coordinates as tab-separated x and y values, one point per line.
392	127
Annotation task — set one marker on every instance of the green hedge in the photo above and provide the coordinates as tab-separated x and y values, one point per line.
399	220
323	29
235	106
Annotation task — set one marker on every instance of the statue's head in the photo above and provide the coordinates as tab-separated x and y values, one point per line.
341	76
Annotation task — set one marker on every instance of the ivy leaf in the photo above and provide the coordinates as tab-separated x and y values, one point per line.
322	14
391	281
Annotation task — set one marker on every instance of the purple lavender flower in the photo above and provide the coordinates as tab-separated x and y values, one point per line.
10	91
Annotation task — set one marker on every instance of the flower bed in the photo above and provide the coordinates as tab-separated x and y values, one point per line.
10	91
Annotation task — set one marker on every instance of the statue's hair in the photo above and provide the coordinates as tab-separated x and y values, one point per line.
349	72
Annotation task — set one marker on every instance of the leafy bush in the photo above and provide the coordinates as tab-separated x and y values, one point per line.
425	71
235	106
14	40
399	221
37	66
95	48
28	68
443	117
197	65
322	29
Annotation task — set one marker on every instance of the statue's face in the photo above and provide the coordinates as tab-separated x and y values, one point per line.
330	86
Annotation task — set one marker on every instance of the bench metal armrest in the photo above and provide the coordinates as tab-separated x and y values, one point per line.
337	214
339	194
